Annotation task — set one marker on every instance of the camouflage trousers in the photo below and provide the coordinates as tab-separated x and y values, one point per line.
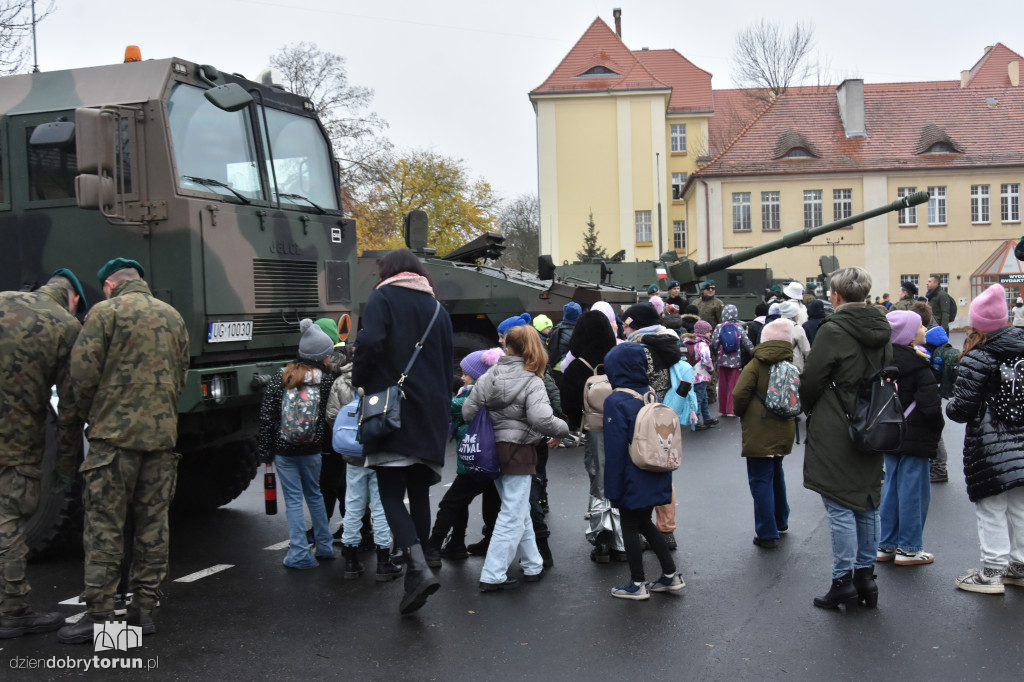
116	481
19	498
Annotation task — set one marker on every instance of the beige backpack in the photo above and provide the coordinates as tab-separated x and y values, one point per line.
657	438
595	390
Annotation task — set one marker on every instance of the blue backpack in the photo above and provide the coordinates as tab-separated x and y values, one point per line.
729	336
346	424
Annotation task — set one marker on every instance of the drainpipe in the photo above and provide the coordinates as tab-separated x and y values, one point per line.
707	219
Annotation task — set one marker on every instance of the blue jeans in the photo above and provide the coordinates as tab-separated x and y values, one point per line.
768	488
905	497
299	477
701	390
513	530
360	490
854	536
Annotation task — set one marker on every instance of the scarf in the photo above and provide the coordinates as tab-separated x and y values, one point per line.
409	280
653	329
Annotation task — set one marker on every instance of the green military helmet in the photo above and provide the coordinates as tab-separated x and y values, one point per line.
70	276
116	264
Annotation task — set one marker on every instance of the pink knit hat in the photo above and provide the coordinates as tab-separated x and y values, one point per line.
905	324
988	311
777	330
702	328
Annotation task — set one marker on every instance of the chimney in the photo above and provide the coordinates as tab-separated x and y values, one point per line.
850	96
965	78
1013	69
617	13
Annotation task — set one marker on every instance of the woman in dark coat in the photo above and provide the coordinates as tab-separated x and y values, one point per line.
993	447
855	340
906	492
590	342
409	460
815	314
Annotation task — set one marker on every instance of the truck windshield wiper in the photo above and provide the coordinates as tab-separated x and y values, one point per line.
306	199
210	182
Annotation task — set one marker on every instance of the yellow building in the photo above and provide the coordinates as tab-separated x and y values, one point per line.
640	139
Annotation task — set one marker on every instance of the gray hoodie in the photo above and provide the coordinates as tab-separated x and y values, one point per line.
518	404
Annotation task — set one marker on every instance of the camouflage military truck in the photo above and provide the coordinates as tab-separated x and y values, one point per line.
742	288
224	189
478	296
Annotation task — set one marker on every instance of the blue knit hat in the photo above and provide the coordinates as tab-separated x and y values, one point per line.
511	322
571	311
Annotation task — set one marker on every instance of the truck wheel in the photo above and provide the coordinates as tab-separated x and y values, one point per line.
56	527
208	479
464	343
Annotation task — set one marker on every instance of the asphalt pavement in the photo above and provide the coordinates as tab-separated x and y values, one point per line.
745	614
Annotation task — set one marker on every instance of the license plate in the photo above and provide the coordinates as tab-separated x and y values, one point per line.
220	332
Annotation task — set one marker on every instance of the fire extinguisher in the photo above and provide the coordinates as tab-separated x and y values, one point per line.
270	490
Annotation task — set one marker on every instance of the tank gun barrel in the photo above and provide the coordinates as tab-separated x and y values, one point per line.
805	235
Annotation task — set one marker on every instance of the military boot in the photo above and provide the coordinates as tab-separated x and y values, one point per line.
81	632
25	621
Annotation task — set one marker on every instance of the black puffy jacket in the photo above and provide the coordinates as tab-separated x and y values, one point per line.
993	449
917	385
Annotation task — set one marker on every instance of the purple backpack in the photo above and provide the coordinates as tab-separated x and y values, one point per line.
478	450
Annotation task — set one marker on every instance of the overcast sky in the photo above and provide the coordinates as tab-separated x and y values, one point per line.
453	76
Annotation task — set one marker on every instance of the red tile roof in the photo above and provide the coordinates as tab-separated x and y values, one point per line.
691	85
991	68
898	117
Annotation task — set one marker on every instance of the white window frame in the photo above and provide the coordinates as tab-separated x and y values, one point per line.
842	203
771	211
937	205
813	212
741	211
916	279
678	180
679	235
981	205
678	136
1009	202
906	217
644	231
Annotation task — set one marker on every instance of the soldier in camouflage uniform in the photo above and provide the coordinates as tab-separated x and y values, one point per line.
127	371
709	308
37	331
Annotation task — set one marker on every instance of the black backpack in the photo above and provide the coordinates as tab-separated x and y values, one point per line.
877	424
1008	401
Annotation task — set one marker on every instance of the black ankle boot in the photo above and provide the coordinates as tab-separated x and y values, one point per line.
841	592
420	582
385	569
602	548
353	567
867	588
545	552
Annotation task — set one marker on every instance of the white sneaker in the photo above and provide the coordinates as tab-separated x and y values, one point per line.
905	558
667	583
884	555
984	580
631	590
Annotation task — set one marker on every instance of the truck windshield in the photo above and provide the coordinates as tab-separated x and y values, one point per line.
301	163
212	144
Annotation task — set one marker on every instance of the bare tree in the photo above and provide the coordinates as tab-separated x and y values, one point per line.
355	133
519	222
15	30
766	57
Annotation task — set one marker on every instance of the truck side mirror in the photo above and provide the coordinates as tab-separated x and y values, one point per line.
545	267
94	143
229	97
94	191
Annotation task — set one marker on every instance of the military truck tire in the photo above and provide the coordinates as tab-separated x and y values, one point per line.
464	343
56	527
208	479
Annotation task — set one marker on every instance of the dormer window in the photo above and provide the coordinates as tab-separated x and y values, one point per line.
798	153
941	148
794	145
601	71
935	140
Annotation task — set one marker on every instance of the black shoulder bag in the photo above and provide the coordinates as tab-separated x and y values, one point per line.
380	413
877	424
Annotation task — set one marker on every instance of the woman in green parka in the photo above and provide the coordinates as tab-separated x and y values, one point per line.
767	437
850	346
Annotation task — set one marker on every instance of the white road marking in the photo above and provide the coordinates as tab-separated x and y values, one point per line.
192	577
75	618
280	545
74	601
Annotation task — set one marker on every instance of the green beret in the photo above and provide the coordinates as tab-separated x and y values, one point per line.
64	272
653	289
812	286
709	283
116	264
776	288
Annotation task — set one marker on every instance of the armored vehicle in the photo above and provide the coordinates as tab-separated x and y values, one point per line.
224	189
743	288
479	296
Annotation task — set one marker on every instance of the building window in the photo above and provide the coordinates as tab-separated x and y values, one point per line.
906	216
643	227
842	203
911	278
679	235
678	137
980	204
741	211
1010	202
771	220
678	180
812	208
937	206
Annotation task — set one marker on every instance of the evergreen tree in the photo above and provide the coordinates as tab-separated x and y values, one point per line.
591	250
